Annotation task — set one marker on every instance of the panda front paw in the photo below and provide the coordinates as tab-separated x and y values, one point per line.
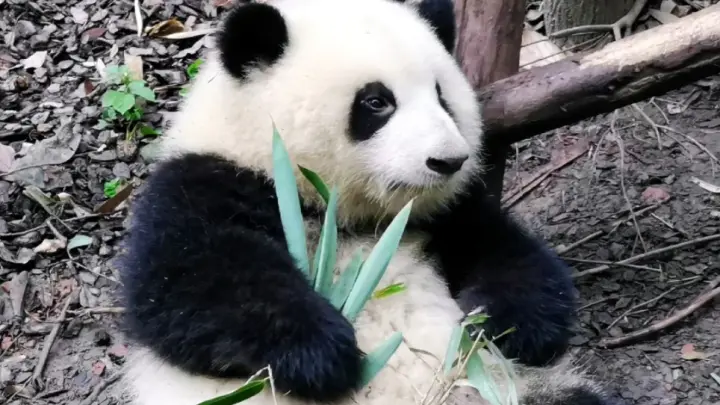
541	323
322	363
570	396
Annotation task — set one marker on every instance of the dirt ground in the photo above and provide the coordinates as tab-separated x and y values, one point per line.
55	240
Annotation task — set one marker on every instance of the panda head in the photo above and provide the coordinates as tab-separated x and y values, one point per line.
363	92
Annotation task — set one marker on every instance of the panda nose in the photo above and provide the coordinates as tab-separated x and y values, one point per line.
446	166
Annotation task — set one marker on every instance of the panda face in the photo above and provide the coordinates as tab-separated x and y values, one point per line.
363	92
408	141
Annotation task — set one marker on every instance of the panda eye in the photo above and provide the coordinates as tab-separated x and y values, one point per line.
377	104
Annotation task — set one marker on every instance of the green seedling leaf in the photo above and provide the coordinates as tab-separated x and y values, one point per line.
123	102
139	89
481	380
134	114
389	290
193	69
184	91
102	124
110	98
327	249
147	130
115	74
375	361
243	393
376	263
453	348
79	241
341	288
110	188
316	181
289	203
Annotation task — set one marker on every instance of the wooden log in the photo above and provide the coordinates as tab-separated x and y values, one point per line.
638	67
488	49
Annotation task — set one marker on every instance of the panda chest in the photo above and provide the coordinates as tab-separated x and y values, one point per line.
420	305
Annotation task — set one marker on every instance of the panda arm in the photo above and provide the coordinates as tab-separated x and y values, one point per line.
490	262
210	286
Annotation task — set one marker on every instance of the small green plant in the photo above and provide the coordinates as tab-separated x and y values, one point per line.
355	287
110	188
192	71
124	100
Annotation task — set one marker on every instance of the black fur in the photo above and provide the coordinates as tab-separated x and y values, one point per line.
570	396
253	35
488	260
210	286
365	121
441	16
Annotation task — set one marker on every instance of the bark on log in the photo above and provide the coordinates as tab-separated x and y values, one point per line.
643	65
488	49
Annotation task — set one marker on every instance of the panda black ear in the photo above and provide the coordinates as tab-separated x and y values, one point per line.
252	35
441	15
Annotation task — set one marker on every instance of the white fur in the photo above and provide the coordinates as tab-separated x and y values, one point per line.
337	46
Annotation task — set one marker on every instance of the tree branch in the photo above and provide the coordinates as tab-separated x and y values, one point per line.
643	65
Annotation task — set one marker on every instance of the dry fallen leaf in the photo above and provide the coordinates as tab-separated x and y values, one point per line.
7	157
79	15
135	65
705	185
50	246
35	60
688	352
163	28
653	195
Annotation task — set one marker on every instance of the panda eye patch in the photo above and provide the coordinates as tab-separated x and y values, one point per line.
372	107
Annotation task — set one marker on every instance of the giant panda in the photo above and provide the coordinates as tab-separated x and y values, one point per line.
365	93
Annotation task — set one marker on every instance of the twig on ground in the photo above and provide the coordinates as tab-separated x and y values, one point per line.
621	147
19	169
138	18
99	388
629	266
39	227
573	153
600	301
712	291
615	225
49	340
652	123
646	255
99	310
648	302
669	225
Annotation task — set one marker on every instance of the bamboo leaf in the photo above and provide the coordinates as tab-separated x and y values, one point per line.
243	393
341	288
481	379
508	371
375	361
317	182
289	203
376	263
453	348
326	252
392	289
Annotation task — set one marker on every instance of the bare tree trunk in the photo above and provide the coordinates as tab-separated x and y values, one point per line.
563	14
488	48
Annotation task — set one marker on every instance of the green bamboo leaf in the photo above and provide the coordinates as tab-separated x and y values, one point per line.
289	203
479	378
389	290
453	348
508	371
243	393
376	263
476	319
316	181
326	253
375	361
341	288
